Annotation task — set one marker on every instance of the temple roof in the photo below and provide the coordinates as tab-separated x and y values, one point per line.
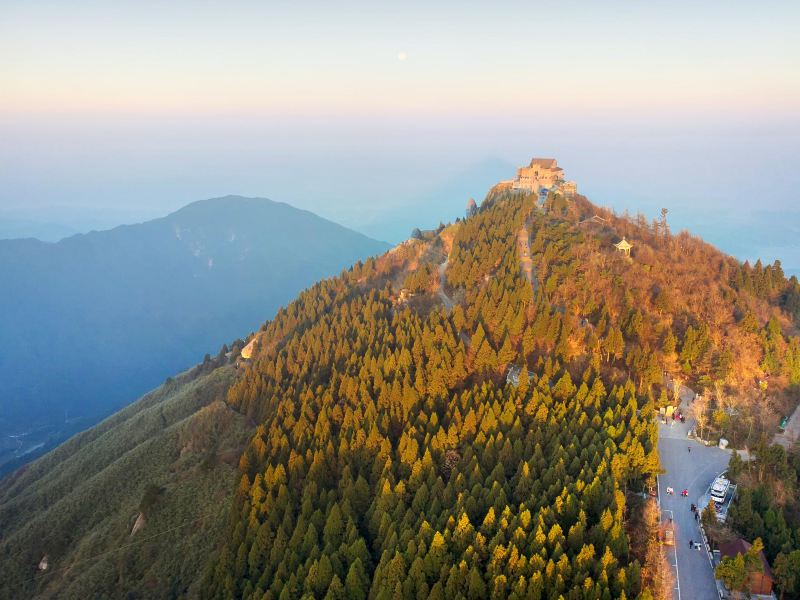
548	163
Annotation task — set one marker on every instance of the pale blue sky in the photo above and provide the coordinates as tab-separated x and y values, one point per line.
364	111
343	56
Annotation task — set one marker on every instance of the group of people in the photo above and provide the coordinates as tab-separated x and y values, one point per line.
684	493
692	543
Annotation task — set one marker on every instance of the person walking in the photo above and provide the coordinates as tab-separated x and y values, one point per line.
691	544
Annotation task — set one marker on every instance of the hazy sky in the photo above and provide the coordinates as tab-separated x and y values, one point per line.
360	110
413	57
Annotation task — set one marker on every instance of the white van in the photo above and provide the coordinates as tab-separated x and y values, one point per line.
719	489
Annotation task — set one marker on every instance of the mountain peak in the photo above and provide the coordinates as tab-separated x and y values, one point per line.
488	385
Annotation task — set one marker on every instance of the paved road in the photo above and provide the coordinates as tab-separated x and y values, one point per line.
694	471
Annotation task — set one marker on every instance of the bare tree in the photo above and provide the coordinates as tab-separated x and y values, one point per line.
677	385
701	410
657	572
664	225
719	394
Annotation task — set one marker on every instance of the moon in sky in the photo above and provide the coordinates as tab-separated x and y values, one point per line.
401	56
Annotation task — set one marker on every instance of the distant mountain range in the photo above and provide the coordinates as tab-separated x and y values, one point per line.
13	228
91	322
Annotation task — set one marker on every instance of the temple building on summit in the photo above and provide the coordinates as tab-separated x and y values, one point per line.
543	175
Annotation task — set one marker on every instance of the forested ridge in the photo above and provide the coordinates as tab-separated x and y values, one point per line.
394	461
394	457
166	463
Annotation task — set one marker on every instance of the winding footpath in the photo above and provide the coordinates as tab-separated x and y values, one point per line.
524	250
446	300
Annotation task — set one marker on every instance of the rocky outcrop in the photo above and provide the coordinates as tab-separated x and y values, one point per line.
138	524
